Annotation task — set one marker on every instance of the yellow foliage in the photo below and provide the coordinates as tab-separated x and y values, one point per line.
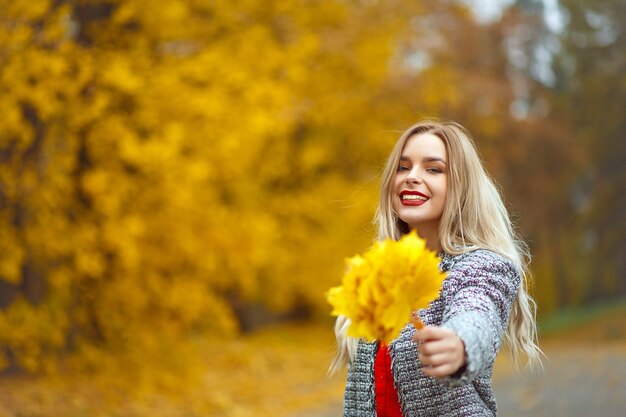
383	287
12	256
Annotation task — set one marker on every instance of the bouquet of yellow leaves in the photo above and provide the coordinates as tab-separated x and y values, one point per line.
381	288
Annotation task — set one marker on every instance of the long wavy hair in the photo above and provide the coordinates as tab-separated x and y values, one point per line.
474	216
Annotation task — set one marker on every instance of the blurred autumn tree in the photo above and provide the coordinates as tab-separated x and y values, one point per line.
171	168
193	167
571	87
591	97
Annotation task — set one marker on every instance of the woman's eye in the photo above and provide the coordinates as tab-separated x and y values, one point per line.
403	168
434	170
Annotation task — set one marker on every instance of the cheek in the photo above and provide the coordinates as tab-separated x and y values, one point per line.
397	182
395	190
395	203
443	188
444	193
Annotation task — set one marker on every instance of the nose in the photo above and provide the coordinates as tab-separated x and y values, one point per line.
413	177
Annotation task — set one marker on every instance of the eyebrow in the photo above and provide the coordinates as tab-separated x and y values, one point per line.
427	159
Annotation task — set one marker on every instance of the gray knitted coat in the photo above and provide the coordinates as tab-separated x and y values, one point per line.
475	302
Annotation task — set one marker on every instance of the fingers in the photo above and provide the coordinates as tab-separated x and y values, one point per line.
432	333
437	346
440	355
439	371
435	360
441	351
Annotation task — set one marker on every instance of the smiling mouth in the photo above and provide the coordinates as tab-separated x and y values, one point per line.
413	197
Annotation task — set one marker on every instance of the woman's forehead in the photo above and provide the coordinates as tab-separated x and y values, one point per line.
424	145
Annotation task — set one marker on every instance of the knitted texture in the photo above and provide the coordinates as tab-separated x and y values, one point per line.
475	302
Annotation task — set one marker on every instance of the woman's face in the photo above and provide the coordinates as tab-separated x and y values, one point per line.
421	182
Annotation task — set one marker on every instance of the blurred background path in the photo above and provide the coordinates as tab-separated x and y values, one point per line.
579	380
584	374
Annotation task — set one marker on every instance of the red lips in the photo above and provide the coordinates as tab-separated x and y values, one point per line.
413	201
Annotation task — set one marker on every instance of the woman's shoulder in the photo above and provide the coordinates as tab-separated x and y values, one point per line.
478	259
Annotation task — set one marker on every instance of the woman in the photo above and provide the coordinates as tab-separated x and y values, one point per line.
434	182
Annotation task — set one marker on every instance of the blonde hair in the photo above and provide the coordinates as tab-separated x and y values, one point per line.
474	216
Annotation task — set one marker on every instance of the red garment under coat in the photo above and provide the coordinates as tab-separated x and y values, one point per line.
387	404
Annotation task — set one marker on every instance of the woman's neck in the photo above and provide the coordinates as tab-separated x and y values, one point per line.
431	236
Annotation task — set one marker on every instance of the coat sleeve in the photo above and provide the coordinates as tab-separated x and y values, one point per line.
479	293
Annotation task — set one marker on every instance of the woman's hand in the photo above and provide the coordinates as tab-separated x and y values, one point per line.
441	351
